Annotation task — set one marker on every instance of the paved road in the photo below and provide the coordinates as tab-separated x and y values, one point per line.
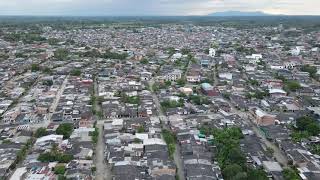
278	154
176	156
103	171
96	93
57	99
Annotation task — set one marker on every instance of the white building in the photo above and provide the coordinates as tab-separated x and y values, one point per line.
212	52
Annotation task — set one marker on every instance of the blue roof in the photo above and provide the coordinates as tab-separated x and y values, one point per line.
206	86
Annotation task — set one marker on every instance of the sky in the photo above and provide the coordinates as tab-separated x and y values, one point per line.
154	7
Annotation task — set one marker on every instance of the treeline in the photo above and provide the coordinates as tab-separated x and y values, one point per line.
27	38
229	155
106	55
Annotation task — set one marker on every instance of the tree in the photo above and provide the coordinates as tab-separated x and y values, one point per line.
59	170
55	156
4	56
94	135
167	83
41	132
290	174
185	51
141	129
144	61
65	129
48	82
308	124
231	170
47	70
170	140
75	72
112	55
310	69
171	51
53	41
292	86
61	54
35	67
181	82
256	174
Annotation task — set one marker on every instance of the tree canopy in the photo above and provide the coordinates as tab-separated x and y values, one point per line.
65	129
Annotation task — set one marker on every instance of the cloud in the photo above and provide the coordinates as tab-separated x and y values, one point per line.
154	7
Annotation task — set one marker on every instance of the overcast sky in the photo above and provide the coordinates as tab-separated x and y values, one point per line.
155	7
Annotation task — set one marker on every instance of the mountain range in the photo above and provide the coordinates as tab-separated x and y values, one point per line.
240	13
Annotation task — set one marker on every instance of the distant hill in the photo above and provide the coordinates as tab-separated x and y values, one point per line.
239	13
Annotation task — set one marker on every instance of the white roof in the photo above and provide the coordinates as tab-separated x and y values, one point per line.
18	173
117	122
272	166
272	91
142	136
51	137
135	146
153	141
260	113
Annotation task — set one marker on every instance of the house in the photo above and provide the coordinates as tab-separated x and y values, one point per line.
194	76
145	76
173	75
176	56
186	90
277	93
254	56
212	52
262	118
208	89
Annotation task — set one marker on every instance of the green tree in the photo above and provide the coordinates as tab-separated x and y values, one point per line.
47	70
167	83
4	56
141	129
59	170
181	82
61	54
65	129
308	124
231	170
290	174
75	72
41	132
35	67
185	51
310	69
53	41
144	61
292	86
256	174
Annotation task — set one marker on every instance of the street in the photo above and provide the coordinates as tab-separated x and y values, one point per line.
176	156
